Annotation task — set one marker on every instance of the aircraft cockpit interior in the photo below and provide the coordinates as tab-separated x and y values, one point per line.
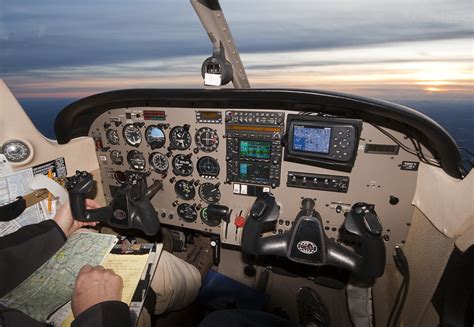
364	200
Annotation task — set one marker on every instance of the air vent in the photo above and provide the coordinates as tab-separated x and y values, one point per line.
382	149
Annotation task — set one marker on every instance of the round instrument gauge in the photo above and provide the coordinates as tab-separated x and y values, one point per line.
116	157
207	139
112	136
187	212
136	160
155	137
16	151
208	167
185	189
120	176
158	162
210	193
210	221
132	135
182	165
180	138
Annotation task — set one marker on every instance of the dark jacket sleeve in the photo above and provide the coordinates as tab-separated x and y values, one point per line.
25	250
105	314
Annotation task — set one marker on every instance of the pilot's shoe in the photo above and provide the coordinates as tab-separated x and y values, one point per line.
200	256
311	309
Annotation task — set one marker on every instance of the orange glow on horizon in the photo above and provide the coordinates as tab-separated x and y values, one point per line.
433	89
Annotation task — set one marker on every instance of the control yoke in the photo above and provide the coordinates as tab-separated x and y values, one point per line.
307	243
130	207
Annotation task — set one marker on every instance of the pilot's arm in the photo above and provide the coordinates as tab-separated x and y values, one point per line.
25	250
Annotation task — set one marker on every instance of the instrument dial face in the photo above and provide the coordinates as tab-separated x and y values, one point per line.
187	212
180	138
16	151
120	176
155	137
112	136
136	160
132	135
210	193
158	162
185	189
116	157
210	221
207	139
208	167
182	165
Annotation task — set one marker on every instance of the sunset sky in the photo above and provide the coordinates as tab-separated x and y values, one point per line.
400	50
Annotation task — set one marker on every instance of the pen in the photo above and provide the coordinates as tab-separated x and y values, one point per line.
50	175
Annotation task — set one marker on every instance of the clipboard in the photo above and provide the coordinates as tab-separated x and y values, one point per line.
138	298
63	316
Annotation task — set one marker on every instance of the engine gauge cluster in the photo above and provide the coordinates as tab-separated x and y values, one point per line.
185	189
207	219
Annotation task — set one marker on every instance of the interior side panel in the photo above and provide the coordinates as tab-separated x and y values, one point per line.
79	154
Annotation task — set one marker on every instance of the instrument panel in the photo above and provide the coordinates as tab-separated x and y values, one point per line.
223	157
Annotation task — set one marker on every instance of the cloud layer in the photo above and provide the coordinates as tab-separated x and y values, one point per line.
389	49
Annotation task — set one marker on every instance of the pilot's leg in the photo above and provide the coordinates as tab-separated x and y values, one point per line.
176	283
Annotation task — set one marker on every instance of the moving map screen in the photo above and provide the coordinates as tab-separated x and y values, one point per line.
311	139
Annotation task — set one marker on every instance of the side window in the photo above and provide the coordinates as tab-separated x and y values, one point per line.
42	113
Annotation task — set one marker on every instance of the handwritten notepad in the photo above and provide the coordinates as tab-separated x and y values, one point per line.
130	267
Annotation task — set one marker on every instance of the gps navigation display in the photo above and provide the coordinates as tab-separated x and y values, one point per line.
311	139
255	149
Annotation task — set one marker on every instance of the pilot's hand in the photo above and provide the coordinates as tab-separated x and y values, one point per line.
65	221
95	285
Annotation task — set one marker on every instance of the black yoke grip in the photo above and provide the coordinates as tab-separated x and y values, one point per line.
78	186
130	207
362	221
263	215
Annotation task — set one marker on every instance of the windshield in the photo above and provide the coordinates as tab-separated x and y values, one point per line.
417	54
